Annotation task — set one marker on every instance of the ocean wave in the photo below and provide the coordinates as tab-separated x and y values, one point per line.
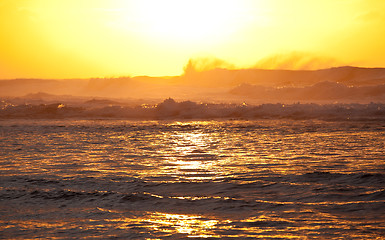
321	91
171	109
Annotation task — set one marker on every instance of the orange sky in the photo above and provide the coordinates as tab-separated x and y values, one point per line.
97	38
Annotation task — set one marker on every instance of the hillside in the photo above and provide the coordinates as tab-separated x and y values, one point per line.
352	83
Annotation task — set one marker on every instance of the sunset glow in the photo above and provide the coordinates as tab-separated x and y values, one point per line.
177	119
69	39
192	22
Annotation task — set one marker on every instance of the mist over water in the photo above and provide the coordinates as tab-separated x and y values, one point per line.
214	81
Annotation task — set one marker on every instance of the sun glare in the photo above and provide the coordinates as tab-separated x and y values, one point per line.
72	38
189	21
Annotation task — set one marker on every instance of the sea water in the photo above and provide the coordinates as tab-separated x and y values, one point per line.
107	179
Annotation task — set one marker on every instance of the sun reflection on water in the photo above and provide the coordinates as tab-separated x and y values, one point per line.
191	154
194	179
193	225
169	224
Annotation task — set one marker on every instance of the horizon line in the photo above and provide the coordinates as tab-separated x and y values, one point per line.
184	73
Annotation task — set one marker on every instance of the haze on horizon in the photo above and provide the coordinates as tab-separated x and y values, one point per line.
106	38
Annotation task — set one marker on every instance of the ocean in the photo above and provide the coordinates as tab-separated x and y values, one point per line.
278	178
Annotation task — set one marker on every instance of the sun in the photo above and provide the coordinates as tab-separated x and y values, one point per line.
189	20
135	37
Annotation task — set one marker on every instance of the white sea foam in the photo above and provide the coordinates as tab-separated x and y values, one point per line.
171	109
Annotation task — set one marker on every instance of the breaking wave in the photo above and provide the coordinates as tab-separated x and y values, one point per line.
171	109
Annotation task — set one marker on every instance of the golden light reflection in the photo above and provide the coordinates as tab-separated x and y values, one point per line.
193	225
177	225
170	223
194	158
186	151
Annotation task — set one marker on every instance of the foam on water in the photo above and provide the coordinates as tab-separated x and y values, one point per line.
170	109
